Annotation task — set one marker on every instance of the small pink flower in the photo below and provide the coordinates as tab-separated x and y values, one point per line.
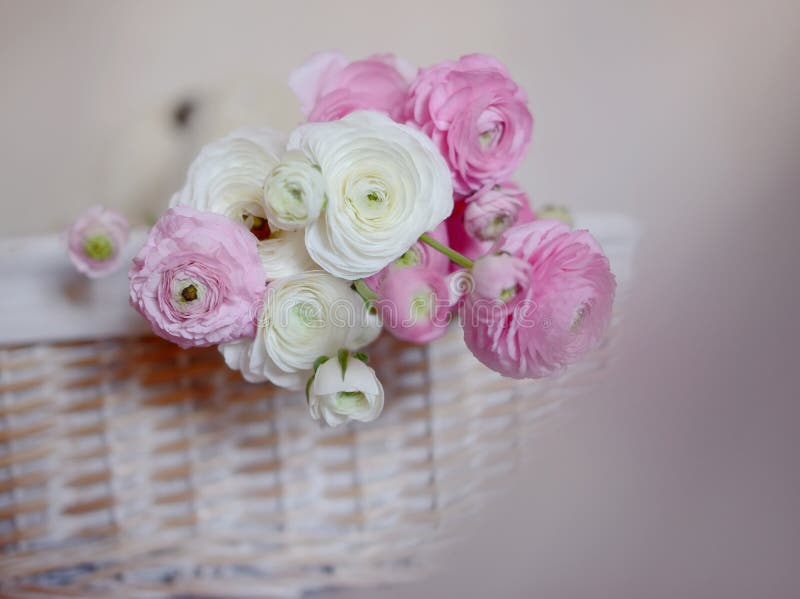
489	212
557	317
330	87
198	279
476	114
419	254
482	217
500	277
95	240
414	304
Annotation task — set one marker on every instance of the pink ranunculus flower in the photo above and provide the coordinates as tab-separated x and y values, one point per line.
500	277
419	254
476	114
492	210
95	240
557	317
414	304
482	217
198	279
330	87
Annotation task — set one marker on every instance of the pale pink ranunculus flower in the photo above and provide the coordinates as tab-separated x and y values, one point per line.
500	276
492	210
95	241
482	217
476	114
414	304
198	279
556	318
419	254
330	87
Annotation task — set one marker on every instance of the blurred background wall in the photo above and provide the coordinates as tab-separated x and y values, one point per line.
679	477
632	99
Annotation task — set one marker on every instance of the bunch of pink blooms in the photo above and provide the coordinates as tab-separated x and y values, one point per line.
391	208
540	295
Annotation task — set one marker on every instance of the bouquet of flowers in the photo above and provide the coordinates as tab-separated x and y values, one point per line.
390	208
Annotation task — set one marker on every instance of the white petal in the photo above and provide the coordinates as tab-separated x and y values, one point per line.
228	175
237	356
363	332
328	379
361	377
284	254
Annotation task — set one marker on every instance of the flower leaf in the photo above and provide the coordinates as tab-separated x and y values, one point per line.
319	362
308	386
343	356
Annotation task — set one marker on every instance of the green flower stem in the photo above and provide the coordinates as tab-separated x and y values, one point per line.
459	259
367	294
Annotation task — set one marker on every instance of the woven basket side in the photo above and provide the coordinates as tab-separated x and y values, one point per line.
133	467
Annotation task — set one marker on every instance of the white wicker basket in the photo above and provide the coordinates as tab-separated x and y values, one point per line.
129	467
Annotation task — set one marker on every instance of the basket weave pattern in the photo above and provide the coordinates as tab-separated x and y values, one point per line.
129	467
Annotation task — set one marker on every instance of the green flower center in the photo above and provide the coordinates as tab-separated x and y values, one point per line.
487	138
98	247
349	401
304	315
508	294
499	224
421	306
296	193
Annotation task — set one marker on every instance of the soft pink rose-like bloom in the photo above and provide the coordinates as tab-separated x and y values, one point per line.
419	254
414	304
330	87
496	276
557	317
492	210
476	114
482	217
95	239
198	279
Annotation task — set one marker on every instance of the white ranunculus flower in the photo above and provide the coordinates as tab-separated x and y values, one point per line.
227	176
304	316
293	192
344	388
284	254
385	185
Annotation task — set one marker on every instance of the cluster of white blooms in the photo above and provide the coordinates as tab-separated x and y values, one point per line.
336	202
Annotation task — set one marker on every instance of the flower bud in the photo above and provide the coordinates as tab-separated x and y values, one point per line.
95	239
293	192
500	276
414	304
493	210
344	388
553	212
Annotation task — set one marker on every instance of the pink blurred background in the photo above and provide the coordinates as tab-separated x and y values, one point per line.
678	476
